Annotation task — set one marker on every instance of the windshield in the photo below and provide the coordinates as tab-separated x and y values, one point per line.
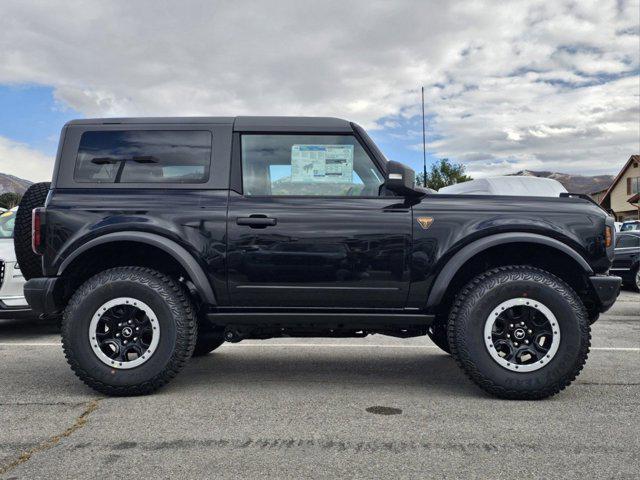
626	227
7	220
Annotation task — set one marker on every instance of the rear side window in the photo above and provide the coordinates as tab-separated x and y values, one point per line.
144	156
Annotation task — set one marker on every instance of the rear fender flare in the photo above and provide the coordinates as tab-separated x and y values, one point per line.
179	253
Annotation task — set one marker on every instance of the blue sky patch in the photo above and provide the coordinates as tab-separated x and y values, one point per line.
31	115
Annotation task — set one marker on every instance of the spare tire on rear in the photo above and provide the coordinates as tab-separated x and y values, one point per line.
30	263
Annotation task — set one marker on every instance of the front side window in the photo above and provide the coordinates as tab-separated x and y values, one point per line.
308	165
144	156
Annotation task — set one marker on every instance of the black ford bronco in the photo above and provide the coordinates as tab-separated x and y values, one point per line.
162	238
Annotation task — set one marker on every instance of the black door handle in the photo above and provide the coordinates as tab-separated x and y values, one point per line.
257	221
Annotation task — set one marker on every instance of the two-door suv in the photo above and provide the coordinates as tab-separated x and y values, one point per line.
162	238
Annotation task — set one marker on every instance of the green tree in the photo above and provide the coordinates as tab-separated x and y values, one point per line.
10	200
443	174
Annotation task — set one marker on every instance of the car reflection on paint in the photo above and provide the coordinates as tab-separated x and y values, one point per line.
296	260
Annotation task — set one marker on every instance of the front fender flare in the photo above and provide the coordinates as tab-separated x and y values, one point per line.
179	253
461	257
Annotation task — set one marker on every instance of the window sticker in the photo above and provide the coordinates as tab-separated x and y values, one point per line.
322	163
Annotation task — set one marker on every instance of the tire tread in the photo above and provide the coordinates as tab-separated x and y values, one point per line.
515	272
30	263
186	327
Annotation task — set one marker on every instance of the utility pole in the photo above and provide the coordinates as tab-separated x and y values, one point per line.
424	146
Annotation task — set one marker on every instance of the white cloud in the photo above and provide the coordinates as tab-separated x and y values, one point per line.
24	162
588	130
553	84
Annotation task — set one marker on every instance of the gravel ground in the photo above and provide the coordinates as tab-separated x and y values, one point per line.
292	408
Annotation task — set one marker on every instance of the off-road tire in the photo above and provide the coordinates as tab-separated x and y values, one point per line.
30	263
485	292
635	280
175	315
209	338
438	333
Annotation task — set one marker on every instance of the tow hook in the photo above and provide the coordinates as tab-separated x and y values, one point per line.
232	335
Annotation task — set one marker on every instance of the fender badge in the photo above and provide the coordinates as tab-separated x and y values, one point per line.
425	222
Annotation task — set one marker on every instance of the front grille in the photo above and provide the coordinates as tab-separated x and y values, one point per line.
1	272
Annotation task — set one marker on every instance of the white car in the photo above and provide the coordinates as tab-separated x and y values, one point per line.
507	185
12	301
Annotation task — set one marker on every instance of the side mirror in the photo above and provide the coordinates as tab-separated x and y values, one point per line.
401	179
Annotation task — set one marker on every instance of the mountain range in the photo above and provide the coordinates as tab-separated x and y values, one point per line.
573	183
12	184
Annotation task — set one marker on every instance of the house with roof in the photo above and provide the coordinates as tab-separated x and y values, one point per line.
622	196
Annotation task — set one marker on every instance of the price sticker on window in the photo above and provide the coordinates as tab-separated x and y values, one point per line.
322	163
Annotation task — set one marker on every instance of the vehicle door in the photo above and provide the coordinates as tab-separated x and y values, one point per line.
310	227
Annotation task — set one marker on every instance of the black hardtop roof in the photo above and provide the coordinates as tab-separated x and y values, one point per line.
239	123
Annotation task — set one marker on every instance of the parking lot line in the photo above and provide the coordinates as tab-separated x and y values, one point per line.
308	345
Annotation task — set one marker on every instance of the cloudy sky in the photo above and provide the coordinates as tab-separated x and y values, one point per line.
509	85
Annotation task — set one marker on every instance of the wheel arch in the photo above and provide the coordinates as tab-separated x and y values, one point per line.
511	241
176	252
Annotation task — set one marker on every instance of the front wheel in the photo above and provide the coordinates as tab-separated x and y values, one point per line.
128	331
635	284
519	332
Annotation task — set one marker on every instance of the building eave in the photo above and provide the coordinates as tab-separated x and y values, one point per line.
619	176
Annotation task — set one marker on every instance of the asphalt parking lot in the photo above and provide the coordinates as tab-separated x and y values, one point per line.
294	408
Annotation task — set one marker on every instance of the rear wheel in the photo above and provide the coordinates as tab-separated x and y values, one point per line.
519	332
30	263
128	331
